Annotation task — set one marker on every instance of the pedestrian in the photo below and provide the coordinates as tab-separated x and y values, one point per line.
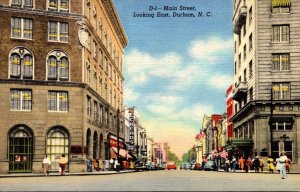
261	164
116	165
88	164
248	163
278	165
288	165
111	164
283	159
46	164
241	163
256	164
62	164
227	165
270	162
233	162
101	166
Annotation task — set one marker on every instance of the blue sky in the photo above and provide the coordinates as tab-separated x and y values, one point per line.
177	68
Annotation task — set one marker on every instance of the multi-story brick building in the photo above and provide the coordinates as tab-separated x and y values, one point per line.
61	82
267	77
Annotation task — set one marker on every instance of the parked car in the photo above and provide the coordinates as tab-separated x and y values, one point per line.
185	165
171	165
209	166
197	166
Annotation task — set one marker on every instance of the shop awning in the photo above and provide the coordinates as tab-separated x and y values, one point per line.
122	152
281	3
241	142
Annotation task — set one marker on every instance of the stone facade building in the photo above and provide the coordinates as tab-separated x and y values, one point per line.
61	82
267	77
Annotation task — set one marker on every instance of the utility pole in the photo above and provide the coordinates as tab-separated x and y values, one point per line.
118	138
271	120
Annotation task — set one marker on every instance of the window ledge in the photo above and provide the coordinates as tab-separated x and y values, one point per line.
19	38
52	41
280	42
14	110
58	111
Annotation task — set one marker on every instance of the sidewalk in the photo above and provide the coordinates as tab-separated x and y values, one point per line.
66	174
295	169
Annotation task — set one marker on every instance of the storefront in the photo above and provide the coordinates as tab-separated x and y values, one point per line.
123	153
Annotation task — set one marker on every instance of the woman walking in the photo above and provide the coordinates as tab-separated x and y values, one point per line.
46	165
283	158
62	164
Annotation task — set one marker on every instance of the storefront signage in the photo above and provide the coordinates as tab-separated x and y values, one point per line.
131	131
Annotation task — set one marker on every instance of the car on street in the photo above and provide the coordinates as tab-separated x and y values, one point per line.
209	166
185	165
171	165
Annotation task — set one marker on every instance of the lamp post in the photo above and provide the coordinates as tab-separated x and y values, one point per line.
118	133
271	120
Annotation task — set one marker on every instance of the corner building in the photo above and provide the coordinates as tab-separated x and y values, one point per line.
61	82
267	77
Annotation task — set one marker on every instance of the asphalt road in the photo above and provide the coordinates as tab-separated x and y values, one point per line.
178	180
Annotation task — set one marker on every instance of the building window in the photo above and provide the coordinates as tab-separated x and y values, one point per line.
58	31
281	6
250	15
281	62
101	58
245	52
250	42
244	30
100	28
21	63
88	105
240	60
58	101
20	149
245	75
250	70
21	28
58	66
281	33
106	64
95	50
58	5
20	100
281	91
57	144
282	126
22	3
88	71
251	94
95	110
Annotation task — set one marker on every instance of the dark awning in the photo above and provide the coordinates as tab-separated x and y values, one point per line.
282	119
281	3
241	142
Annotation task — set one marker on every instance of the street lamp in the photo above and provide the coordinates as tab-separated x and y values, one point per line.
271	120
118	131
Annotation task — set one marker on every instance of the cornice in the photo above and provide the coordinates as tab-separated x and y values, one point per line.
40	12
116	22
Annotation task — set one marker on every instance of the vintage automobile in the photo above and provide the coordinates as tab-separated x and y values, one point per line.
171	165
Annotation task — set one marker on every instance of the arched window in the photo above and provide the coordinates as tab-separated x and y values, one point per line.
20	149
57	144
95	146
58	66
21	63
88	142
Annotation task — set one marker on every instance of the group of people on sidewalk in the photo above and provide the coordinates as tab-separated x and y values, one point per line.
62	165
282	164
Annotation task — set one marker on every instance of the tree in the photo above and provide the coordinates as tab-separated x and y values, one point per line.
190	155
173	157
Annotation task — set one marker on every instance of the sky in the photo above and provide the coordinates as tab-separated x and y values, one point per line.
176	69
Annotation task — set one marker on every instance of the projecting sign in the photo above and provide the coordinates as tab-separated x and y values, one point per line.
131	131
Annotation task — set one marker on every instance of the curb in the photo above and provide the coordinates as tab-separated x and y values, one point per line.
67	174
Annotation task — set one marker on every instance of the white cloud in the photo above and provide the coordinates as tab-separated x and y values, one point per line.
220	81
130	94
210	49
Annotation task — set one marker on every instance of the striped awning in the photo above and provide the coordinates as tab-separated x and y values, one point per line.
281	3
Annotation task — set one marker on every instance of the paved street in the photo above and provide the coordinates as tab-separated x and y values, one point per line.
183	180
